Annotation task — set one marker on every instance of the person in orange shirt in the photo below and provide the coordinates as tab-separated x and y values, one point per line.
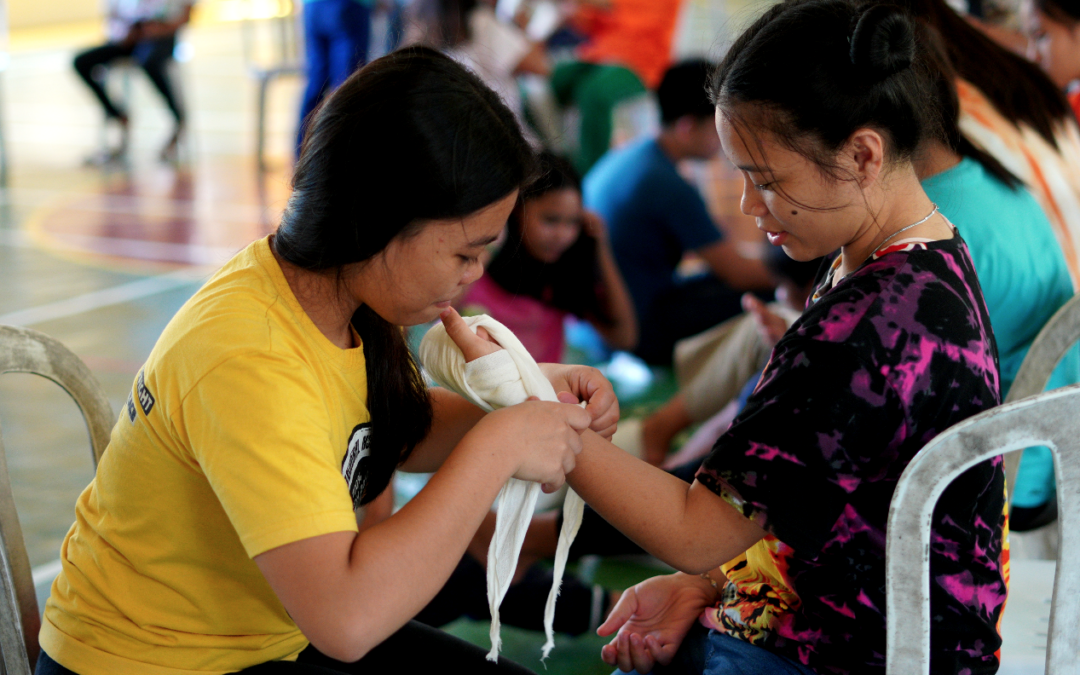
627	52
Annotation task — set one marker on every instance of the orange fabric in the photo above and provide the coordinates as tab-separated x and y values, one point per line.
632	33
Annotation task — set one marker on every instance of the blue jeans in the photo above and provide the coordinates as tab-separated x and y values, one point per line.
336	35
707	652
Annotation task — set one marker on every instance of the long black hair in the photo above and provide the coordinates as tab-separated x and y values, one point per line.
1062	11
411	137
948	103
1018	88
572	283
814	72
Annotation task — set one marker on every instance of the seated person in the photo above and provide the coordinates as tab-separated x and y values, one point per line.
790	507
470	32
145	31
627	49
655	217
714	366
556	261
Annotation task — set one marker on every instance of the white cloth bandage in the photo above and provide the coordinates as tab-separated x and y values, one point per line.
504	378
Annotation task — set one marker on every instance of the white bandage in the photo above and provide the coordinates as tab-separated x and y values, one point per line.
504	378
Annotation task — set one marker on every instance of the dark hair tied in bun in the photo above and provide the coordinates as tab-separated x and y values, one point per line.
883	43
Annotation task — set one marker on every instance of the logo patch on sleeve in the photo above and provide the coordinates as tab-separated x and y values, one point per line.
130	405
355	465
146	399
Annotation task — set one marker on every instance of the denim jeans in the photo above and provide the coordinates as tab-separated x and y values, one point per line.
707	652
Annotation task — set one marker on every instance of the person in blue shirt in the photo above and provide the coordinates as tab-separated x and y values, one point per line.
655	217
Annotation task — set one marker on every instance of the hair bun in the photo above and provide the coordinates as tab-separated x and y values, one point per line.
883	42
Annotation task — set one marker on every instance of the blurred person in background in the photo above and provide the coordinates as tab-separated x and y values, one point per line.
336	37
556	261
655	217
627	50
470	32
1054	42
144	31
1015	113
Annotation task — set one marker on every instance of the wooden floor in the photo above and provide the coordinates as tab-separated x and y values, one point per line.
101	258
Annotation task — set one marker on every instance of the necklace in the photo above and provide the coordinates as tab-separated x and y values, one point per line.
904	229
840	258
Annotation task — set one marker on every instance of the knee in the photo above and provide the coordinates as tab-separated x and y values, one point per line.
84	63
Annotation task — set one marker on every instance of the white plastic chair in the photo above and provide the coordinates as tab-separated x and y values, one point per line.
27	351
1059	334
1049	419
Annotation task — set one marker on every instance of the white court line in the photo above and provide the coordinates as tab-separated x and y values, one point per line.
44	574
103	298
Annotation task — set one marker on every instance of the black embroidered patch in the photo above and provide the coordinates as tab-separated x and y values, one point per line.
355	465
146	399
131	408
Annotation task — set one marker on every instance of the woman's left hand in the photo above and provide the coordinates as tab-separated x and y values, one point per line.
572	383
582	383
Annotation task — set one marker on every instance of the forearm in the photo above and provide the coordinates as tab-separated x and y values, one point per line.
622	332
370	584
452	418
401	564
686	526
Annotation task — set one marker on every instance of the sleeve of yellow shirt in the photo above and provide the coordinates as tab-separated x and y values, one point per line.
260	429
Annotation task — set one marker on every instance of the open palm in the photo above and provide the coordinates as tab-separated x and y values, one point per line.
652	618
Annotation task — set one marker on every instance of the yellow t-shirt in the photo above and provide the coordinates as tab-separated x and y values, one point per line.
233	443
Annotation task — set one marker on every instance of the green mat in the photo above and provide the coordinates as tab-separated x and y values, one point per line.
573	655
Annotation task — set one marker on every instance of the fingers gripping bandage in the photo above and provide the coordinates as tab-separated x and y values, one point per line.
505	378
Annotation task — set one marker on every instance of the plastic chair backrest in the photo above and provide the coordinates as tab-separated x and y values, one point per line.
1049	419
27	351
1060	333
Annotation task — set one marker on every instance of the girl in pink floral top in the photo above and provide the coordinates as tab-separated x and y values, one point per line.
555	261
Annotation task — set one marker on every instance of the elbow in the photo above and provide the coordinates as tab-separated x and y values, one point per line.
345	645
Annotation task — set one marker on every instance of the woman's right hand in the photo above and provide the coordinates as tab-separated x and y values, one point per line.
541	439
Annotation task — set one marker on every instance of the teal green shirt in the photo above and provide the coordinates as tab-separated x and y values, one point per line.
1017	257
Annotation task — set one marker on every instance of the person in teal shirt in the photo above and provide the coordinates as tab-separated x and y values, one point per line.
1025	281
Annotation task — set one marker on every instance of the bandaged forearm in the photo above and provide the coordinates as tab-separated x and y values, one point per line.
498	380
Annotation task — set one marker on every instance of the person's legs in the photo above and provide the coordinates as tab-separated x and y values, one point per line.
726	655
349	42
596	97
316	51
46	666
155	56
661	427
1034	501
85	65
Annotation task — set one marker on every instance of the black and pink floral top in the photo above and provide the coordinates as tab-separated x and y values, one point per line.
879	364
